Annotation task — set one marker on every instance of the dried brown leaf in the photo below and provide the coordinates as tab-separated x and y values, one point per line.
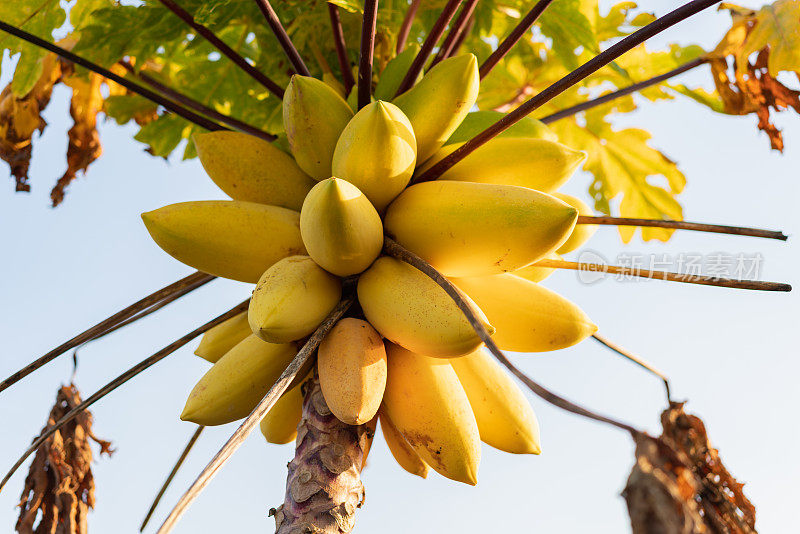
748	85
679	484
59	489
84	141
20	118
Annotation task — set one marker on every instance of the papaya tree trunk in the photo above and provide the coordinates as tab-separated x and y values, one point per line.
323	487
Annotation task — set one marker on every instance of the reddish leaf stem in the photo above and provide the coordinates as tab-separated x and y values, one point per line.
405	27
134	87
393	249
454	35
682	225
283	37
516	34
194	281
589	104
591	66
367	51
430	41
224	49
122	379
193	104
341	48
756	285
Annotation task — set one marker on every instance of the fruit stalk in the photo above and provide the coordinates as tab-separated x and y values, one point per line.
323	487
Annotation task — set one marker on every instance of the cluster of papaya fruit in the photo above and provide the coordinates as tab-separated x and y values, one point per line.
307	220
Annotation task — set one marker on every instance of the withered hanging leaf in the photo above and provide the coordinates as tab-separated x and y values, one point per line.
679	484
748	85
21	117
84	141
59	489
754	90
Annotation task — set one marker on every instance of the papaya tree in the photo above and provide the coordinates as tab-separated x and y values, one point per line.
393	171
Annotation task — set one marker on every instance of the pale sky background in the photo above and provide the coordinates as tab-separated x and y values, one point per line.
732	353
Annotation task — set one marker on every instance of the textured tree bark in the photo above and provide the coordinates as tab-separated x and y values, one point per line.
323	487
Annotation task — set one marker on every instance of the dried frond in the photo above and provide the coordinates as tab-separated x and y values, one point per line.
59	489
679	485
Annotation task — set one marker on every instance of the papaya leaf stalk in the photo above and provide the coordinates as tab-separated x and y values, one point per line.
122	379
513	38
637	360
283	37
172	473
427	46
367	51
593	65
638	86
341	47
140	90
456	30
683	225
137	310
685	278
193	104
394	249
224	49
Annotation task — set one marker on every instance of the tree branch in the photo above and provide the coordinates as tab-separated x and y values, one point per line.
430	41
367	50
283	37
224	49
190	103
589	104
341	48
171	475
591	66
140	90
516	34
638	361
192	281
395	250
682	225
122	379
732	283
258	413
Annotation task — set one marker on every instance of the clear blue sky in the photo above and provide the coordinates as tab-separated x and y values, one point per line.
732	353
